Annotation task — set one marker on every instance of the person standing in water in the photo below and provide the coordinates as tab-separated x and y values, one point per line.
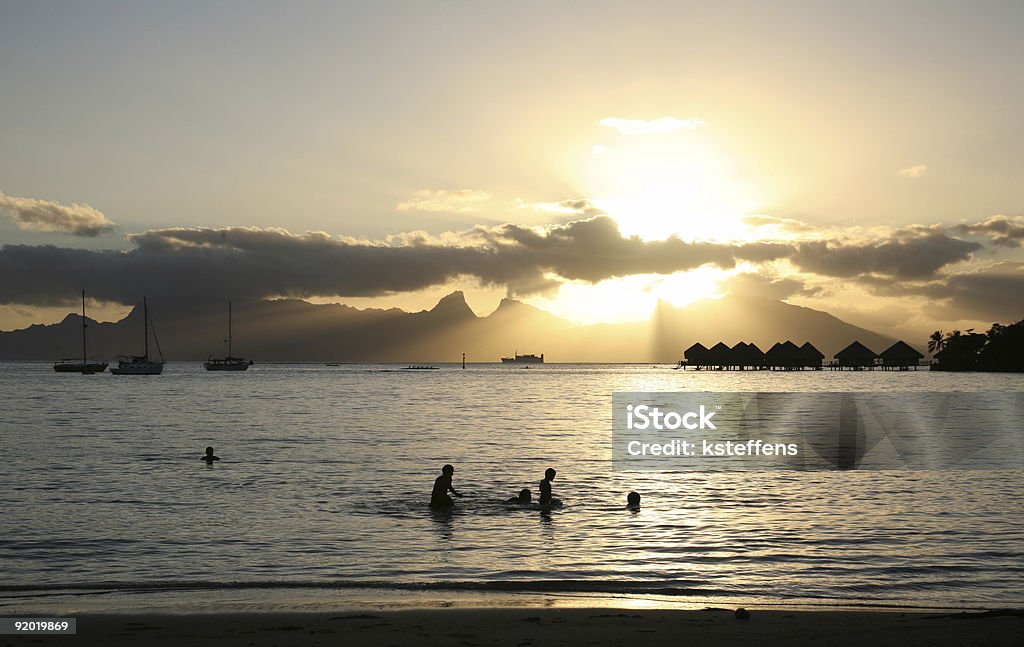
545	487
442	485
209	457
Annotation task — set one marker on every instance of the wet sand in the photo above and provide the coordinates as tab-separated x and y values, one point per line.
529	627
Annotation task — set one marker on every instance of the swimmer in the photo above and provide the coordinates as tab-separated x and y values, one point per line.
633	501
545	487
442	485
209	458
525	496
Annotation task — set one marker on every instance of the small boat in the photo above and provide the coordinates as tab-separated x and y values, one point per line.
85	367
141	364
228	363
420	367
523	359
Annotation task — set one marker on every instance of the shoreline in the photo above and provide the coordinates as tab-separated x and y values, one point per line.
551	626
188	600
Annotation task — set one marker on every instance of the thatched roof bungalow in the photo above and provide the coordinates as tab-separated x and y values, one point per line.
696	355
856	355
721	355
783	355
900	355
748	355
811	356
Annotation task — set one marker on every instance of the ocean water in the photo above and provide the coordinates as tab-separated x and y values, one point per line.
326	471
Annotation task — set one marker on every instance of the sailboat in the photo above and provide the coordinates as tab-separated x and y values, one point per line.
228	363
85	367
141	364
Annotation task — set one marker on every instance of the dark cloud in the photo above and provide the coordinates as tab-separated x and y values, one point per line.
44	215
914	254
989	294
184	265
1003	231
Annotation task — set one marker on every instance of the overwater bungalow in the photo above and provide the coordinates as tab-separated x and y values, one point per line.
856	356
747	356
810	356
900	356
696	355
784	356
721	356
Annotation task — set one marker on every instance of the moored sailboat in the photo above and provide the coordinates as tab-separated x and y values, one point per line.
85	367
228	363
141	364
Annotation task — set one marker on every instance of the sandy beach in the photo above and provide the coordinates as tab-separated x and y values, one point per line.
529	627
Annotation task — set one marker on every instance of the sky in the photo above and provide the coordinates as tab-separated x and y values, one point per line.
591	159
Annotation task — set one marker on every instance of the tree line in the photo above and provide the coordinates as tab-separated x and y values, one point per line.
999	349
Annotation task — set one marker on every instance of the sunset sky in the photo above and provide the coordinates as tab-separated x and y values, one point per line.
588	158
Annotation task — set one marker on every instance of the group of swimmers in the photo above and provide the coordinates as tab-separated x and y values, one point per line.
439	498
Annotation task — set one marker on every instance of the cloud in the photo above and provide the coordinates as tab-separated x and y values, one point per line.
182	265
760	285
782	225
44	215
991	293
578	207
1003	231
454	201
913	253
659	126
914	172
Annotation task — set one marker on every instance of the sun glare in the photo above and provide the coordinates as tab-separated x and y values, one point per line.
682	184
631	298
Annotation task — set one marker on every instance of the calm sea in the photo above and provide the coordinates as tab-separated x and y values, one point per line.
325	473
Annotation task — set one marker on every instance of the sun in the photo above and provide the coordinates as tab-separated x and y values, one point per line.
683	185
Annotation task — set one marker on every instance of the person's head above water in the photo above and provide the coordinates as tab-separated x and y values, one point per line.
209	451
525	496
447	469
549	474
633	499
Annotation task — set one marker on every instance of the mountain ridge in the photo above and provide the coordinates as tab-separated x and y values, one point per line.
296	330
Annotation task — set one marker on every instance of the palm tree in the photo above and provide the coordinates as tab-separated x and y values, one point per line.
936	342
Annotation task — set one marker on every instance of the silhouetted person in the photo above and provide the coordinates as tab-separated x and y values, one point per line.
524	497
633	501
545	487
209	458
442	485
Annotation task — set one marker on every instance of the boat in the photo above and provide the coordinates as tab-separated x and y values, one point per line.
228	363
523	359
420	367
85	367
141	364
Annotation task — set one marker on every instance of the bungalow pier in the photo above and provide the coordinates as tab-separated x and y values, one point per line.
787	356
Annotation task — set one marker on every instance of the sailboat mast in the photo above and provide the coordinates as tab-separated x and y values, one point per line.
84	353
145	326
229	329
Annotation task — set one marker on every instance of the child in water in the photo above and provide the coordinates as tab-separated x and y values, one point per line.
545	488
524	497
633	501
442	485
209	457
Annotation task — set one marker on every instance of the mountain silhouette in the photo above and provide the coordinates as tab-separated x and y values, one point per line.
291	330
